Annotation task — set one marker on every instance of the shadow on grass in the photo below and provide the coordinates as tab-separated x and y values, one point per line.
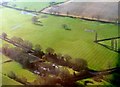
115	80
108	47
68	29
116	77
39	24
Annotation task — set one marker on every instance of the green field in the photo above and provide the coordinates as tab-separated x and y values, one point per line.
77	43
32	4
17	69
8	81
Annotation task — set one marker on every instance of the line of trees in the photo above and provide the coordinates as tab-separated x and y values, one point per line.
42	68
15	77
50	55
45	70
25	43
16	54
19	55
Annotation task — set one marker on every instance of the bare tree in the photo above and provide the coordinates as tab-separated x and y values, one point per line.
5	48
4	35
34	19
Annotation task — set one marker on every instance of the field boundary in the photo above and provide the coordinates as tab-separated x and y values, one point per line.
83	74
57	13
107	39
83	18
63	15
20	9
114	43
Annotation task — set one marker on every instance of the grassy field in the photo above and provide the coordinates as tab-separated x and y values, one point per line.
77	43
8	81
95	83
32	4
17	69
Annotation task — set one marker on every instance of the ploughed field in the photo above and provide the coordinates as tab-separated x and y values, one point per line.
77	42
105	11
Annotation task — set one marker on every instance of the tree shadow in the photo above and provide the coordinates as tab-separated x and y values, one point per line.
39	24
68	29
108	47
116	77
115	80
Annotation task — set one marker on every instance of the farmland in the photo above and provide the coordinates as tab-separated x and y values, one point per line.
90	10
32	5
78	43
17	69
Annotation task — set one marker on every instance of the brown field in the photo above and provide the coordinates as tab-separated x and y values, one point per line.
105	11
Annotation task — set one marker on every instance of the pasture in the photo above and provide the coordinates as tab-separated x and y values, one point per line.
8	81
77	43
32	4
8	67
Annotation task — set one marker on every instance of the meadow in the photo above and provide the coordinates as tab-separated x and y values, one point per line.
77	43
8	67
32	4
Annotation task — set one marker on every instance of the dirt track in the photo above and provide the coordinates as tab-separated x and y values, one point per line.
106	11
